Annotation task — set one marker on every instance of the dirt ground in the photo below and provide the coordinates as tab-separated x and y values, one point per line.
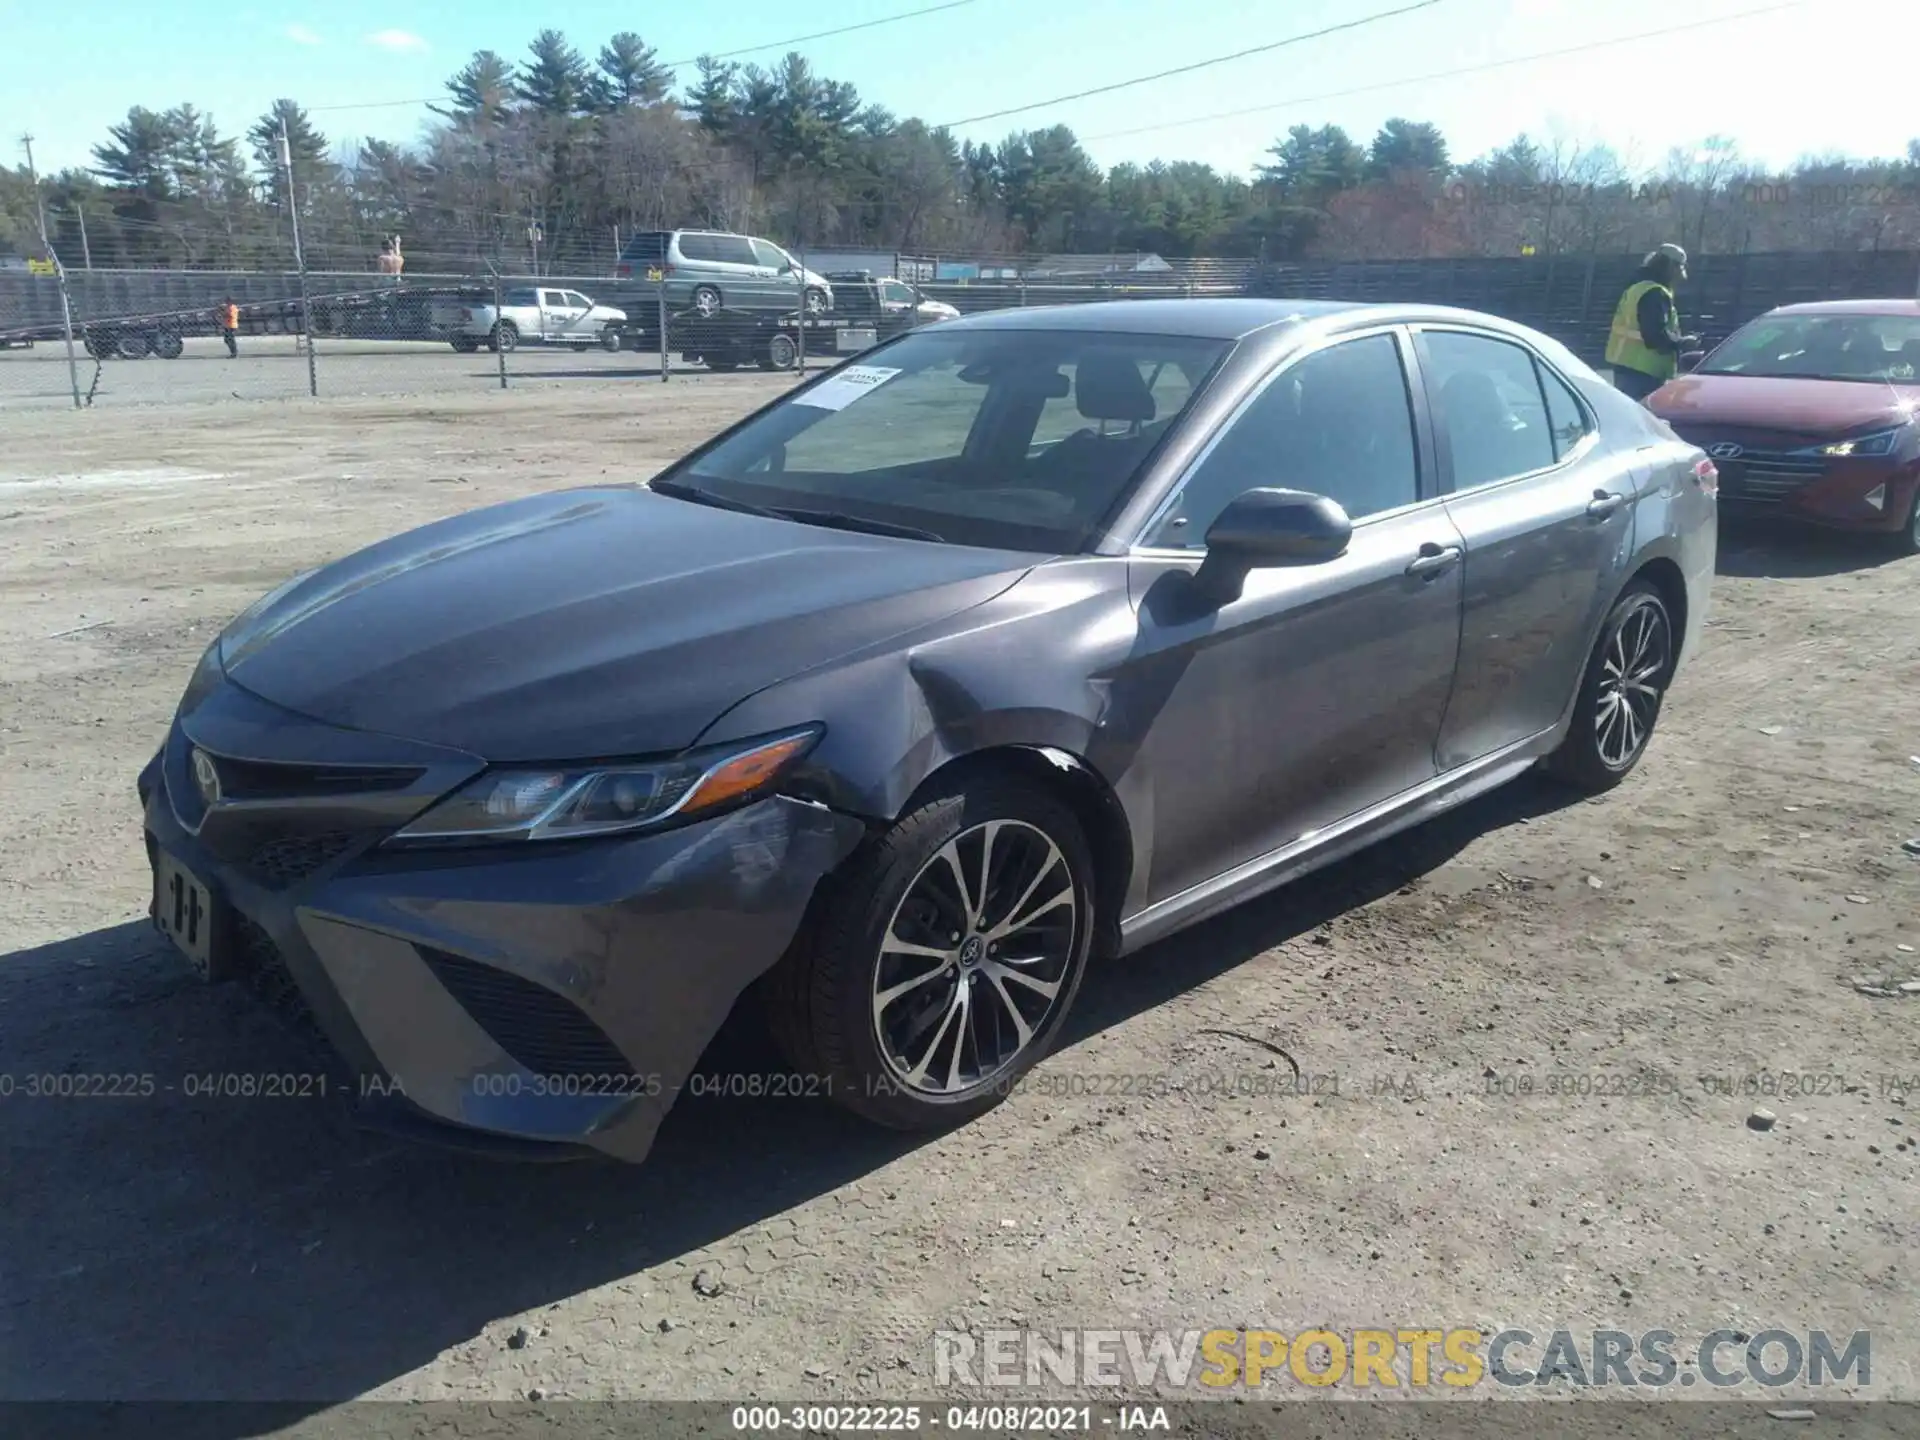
1684	944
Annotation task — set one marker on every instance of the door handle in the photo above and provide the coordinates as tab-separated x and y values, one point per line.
1433	558
1604	503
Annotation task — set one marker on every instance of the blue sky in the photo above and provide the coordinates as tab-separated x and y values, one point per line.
1806	79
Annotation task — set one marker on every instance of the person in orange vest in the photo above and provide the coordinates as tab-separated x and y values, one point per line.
229	316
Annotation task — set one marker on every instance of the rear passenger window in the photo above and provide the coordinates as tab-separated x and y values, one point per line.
698	247
1565	415
734	249
1486	395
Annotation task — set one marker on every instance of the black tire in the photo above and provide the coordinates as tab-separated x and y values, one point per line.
780	353
505	336
465	344
610	341
1907	542
133	345
706	300
168	345
820	998
1599	752
815	301
722	364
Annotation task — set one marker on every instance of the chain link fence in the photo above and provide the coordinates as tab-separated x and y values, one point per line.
93	337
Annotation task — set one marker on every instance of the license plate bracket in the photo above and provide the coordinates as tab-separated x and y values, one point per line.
188	912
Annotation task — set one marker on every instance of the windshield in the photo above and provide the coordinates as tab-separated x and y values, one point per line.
1013	439
1823	347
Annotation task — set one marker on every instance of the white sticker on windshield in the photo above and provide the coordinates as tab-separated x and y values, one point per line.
846	387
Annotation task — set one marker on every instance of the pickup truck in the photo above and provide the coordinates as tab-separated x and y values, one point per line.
893	304
529	314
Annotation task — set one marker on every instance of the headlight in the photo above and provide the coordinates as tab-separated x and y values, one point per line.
1865	447
567	803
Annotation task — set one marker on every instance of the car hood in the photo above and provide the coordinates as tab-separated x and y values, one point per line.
1812	407
588	623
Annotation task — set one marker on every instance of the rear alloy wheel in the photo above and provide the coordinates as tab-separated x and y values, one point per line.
706	300
1620	695
946	958
610	341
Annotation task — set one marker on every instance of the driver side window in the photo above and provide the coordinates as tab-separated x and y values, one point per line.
1338	423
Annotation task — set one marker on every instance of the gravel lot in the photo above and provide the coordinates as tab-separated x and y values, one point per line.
1706	920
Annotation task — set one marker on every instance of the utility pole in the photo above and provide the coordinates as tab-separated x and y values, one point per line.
86	250
59	270
299	261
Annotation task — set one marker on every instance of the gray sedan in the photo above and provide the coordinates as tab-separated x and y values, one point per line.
1028	637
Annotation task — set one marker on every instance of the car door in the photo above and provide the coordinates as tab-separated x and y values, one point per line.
773	270
742	272
1546	512
582	328
1320	691
553	314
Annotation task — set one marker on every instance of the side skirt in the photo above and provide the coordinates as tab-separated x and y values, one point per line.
1323	847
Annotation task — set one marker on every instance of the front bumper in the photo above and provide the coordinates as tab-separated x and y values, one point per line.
553	995
1835	499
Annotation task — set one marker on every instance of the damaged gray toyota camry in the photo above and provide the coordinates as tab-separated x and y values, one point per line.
1018	641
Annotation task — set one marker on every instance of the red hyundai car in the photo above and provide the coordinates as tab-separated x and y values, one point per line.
1810	412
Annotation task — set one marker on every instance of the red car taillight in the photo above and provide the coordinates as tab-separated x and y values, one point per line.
1706	475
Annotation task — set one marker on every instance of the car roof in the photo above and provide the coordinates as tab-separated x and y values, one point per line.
1888	306
1204	319
1232	318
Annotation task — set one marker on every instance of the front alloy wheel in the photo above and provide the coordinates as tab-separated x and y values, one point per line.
974	958
945	958
1620	694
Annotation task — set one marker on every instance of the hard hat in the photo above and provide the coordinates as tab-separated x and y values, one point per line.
1674	254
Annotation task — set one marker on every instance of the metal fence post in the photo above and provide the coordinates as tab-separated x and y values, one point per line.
800	325
59	271
660	299
300	264
499	318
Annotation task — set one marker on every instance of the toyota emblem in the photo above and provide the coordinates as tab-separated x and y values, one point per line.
1725	450
207	776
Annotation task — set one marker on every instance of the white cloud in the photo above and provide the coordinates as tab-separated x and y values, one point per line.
397	40
301	35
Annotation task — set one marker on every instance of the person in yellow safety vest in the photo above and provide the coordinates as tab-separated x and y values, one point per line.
1644	342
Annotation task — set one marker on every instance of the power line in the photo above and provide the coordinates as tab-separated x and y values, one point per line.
823	34
693	60
1196	65
1450	74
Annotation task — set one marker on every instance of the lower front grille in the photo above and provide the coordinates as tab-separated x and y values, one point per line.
542	1030
1768	478
265	969
290	859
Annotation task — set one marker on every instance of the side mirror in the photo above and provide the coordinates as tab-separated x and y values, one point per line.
1267	527
1690	360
